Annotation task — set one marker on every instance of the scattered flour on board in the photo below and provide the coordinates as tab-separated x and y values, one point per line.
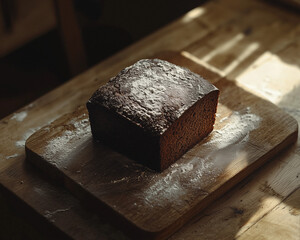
19	116
30	131
50	214
61	146
202	167
21	143
120	180
237	129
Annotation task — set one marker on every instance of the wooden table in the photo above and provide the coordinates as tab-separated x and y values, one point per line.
251	42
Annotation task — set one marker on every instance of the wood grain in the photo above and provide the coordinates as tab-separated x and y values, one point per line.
37	17
71	36
284	221
66	151
247	203
236	212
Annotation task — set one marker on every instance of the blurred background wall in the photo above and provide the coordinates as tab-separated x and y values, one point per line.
45	42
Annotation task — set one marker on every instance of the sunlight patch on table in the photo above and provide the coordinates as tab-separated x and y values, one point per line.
273	79
260	211
243	55
223	47
191	15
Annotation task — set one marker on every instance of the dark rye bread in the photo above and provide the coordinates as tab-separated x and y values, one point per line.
153	112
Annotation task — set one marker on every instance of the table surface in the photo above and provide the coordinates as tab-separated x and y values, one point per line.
251	42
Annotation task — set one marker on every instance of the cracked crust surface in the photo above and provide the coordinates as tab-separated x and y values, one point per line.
152	93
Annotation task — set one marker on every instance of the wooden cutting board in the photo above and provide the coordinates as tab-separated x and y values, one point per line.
248	132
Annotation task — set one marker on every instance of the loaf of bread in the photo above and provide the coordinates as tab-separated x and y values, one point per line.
153	112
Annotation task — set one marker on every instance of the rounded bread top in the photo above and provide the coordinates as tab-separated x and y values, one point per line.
152	93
